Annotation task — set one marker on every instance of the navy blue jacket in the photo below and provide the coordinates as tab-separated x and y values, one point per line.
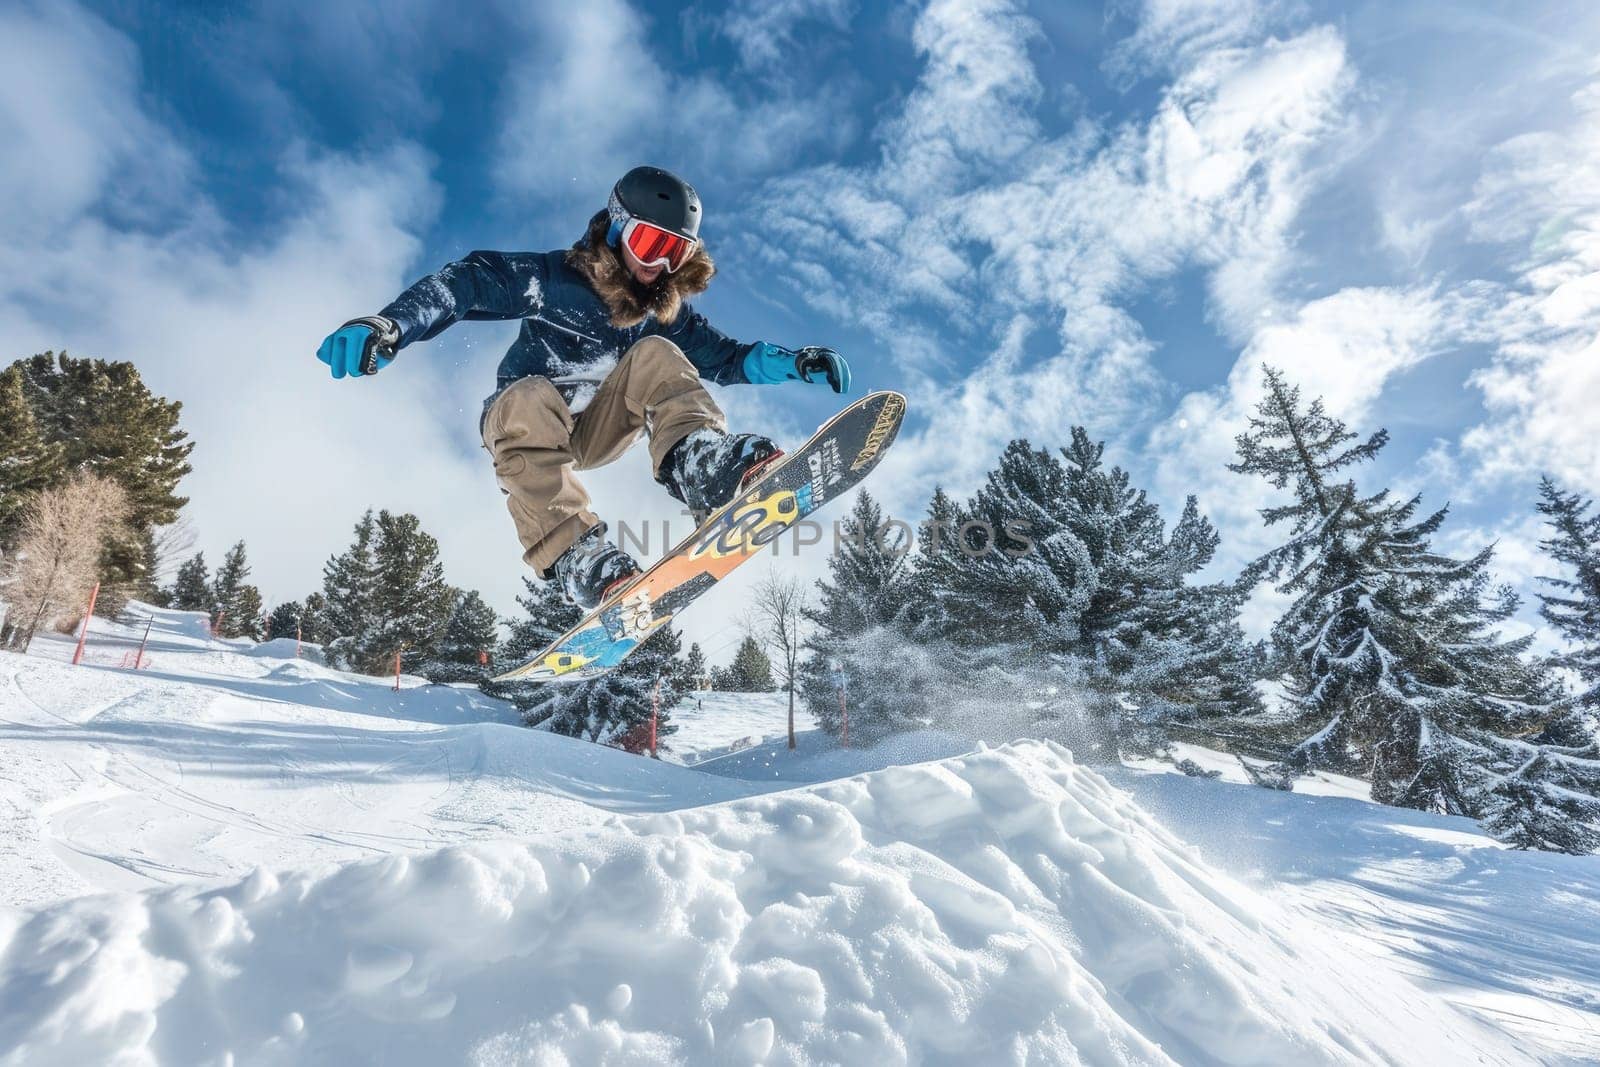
566	328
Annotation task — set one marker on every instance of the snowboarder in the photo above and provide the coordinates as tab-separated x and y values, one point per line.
609	349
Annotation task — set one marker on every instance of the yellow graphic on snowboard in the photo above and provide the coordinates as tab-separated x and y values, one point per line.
746	527
556	664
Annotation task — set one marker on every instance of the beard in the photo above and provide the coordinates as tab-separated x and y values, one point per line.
645	292
628	300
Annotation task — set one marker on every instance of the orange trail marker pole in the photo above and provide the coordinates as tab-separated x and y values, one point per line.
77	653
655	709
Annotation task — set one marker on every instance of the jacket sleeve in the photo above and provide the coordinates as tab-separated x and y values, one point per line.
484	285
718	357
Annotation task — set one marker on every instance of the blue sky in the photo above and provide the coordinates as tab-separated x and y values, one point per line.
1025	215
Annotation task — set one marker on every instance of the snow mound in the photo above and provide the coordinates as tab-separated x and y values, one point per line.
195	625
1005	906
712	724
285	648
818	757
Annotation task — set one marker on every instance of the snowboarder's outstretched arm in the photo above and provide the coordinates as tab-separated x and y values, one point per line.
718	357
725	361
728	362
484	285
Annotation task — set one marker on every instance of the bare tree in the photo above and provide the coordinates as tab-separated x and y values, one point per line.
58	551
776	615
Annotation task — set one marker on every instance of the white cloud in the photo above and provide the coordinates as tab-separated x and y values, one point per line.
971	109
1215	179
68	136
1026	247
586	99
1540	193
1447	85
578	97
1172	34
764	30
286	458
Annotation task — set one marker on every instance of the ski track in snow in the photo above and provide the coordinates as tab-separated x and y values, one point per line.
235	856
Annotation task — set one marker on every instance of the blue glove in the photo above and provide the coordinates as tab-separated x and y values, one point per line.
360	346
769	364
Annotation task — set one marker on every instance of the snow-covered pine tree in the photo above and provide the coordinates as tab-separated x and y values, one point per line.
348	581
410	598
1574	611
146	586
191	586
868	590
29	460
1396	668
696	672
313	620
466	650
915	666
932	569
235	601
1175	651
868	573
997	588
750	671
1181	646
107	421
1550	798
1491	735
283	620
1082	581
1304	450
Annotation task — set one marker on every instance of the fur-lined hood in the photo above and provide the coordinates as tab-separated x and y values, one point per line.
628	301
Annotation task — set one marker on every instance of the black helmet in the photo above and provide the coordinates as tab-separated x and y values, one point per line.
657	196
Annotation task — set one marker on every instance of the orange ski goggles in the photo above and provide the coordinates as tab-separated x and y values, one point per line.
653	246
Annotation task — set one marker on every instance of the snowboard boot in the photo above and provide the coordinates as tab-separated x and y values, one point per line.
708	468
590	568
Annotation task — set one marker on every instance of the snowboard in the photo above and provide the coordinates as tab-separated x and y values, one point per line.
836	459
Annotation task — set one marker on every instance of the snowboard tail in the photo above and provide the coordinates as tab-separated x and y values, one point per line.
835	460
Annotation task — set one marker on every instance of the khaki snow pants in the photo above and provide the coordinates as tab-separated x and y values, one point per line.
537	443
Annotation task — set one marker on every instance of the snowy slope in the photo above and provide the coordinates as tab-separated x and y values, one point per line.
1513	937
1005	901
329	871
215	759
714	724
